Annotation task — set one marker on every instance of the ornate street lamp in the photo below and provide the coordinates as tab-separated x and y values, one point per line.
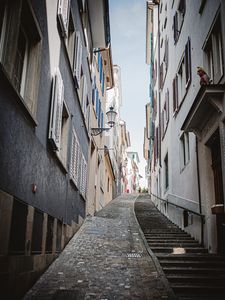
111	115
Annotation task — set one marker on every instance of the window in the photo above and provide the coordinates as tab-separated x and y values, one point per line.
213	59
165	114
202	5
62	153
187	62
161	75
49	237
178	19
71	40
20	51
182	79
184	150
59	119
166	172
85	101
175	93
36	244
78	59
63	16
83	177
75	159
18	228
59	236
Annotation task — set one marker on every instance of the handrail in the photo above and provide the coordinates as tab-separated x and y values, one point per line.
189	210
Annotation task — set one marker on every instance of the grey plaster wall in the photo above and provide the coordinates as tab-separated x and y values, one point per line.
26	156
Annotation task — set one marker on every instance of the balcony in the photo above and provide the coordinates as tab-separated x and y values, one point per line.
208	104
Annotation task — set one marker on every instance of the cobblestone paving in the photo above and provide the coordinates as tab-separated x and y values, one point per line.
105	260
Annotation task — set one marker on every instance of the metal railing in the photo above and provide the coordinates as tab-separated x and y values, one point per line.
166	201
179	206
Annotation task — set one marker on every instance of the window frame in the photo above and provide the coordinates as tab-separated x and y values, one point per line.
20	17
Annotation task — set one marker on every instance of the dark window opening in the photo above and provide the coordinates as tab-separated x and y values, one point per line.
59	236
49	238
36	244
18	228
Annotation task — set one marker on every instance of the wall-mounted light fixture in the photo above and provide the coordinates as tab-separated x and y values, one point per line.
111	115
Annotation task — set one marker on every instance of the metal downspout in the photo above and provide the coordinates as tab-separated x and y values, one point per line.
199	193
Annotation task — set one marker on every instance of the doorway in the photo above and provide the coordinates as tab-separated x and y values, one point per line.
215	147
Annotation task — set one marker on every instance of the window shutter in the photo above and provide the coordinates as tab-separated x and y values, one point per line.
85	178
56	111
94	91
78	59
102	119
84	94
63	14
75	159
99	113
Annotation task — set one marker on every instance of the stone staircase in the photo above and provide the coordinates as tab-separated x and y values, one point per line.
192	272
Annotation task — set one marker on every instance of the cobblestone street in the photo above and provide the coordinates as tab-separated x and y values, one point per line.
106	259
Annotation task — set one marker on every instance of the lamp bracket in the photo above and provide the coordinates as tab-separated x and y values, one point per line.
97	131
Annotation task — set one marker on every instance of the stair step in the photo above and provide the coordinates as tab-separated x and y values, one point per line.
197	279
198	289
171	240
171	249
193	270
193	263
166	230
169	235
191	256
175	245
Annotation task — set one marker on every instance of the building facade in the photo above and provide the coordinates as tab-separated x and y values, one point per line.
46	67
124	144
133	172
114	99
188	165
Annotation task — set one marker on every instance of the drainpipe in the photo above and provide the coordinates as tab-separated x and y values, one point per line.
158	71
199	192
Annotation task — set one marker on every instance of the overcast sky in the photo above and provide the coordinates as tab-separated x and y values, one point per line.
128	31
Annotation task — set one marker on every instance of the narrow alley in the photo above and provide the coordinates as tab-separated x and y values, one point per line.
106	259
112	149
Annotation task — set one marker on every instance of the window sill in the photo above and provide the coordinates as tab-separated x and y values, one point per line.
21	101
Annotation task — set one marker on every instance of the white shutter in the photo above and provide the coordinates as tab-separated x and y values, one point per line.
84	95
78	58
85	178
56	111
75	159
63	14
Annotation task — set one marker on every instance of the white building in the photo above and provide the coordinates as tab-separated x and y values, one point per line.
188	162
114	99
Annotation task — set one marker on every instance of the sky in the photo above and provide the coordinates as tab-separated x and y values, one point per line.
128	40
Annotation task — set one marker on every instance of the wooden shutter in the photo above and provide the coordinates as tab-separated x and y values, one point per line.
56	111
63	15
78	59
